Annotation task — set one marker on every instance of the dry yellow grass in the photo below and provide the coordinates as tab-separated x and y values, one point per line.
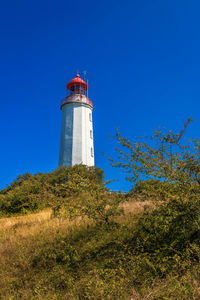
15	229
19	238
44	217
27	219
135	207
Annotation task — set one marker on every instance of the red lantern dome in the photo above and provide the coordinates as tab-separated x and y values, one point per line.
77	82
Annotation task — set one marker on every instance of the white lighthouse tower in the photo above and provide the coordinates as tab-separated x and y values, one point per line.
76	145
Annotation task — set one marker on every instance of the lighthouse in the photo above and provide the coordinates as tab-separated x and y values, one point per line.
76	144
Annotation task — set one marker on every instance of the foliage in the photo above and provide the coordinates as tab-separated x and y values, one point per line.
163	190
84	195
76	191
28	193
153	189
166	157
170	235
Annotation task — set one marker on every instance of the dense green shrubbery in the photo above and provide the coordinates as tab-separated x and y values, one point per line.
74	191
156	190
29	193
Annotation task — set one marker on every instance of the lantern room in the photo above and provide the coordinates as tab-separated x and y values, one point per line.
77	86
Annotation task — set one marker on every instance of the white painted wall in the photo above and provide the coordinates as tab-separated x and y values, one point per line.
76	146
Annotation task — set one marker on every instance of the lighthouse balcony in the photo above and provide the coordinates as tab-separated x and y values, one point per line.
78	98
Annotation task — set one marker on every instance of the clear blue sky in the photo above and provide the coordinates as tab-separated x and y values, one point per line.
143	63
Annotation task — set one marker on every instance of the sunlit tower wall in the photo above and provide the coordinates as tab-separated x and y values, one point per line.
76	144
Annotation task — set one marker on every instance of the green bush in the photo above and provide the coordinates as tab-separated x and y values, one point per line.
29	193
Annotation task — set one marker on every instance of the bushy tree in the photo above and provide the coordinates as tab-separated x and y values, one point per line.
166	157
85	194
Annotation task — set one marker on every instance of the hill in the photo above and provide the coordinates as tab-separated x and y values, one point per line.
150	252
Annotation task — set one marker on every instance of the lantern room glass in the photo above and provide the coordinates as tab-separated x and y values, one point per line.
77	89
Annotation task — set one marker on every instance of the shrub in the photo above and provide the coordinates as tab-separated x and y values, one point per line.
29	193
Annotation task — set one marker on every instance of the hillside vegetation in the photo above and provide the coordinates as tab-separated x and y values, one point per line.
64	235
149	253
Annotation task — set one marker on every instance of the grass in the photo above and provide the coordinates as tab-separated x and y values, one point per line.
51	258
26	220
20	239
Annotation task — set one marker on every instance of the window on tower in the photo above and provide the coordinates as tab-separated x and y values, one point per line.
91	134
90	117
92	152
